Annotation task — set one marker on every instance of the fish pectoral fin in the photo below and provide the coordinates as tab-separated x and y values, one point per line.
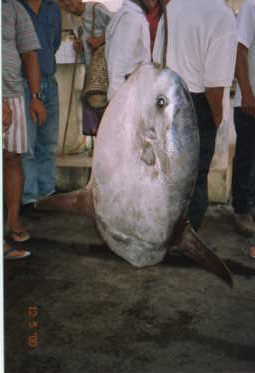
193	247
59	202
78	203
148	155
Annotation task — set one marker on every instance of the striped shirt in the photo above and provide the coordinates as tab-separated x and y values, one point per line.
18	36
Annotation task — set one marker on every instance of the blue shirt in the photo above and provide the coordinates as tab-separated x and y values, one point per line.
47	24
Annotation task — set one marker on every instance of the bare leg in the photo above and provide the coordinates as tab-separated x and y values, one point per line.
13	184
252	251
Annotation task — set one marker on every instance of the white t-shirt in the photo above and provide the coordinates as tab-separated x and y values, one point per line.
201	42
127	44
246	36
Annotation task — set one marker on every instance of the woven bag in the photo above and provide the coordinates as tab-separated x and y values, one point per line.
96	79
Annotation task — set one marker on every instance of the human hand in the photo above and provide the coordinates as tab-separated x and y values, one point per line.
214	97
78	46
7	115
38	111
248	104
96	42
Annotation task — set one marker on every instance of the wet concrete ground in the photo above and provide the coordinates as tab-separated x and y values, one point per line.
74	307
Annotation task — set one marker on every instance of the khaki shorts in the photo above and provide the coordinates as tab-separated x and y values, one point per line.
15	139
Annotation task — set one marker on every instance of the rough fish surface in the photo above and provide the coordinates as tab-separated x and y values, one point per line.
143	173
145	164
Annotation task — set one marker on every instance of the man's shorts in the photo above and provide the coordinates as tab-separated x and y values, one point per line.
15	139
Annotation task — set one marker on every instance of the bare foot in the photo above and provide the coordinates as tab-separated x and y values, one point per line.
18	232
20	236
252	252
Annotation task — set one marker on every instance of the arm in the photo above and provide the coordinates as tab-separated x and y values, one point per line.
242	74
27	43
102	18
33	75
246	34
58	23
78	46
219	64
215	98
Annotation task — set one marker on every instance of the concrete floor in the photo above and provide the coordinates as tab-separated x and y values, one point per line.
74	307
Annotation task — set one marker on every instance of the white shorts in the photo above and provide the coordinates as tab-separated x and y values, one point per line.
15	139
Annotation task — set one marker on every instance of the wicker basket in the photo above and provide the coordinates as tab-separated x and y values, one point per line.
96	81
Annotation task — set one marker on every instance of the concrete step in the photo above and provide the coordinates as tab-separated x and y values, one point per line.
73	171
83	160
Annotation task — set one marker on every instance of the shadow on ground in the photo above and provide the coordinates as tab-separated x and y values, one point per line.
74	307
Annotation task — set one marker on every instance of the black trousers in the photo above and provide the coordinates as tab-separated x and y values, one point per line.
243	181
207	132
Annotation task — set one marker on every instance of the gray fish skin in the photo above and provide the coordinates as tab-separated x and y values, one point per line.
145	164
144	169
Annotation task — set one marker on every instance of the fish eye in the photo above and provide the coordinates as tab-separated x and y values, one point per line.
162	101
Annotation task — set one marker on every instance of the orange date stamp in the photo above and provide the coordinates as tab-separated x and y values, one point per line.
33	324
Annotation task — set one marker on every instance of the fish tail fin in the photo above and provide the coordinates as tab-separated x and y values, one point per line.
193	247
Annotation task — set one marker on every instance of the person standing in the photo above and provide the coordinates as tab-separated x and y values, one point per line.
19	47
243	181
9	251
86	43
94	18
130	39
39	162
201	48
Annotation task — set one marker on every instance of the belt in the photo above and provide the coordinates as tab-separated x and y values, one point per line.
197	94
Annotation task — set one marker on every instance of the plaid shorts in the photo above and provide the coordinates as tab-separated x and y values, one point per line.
15	139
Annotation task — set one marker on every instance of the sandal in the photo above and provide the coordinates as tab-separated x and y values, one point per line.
20	254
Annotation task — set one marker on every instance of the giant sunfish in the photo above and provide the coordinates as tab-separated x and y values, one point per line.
144	169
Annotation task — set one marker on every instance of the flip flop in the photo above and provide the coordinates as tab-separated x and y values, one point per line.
8	256
20	236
